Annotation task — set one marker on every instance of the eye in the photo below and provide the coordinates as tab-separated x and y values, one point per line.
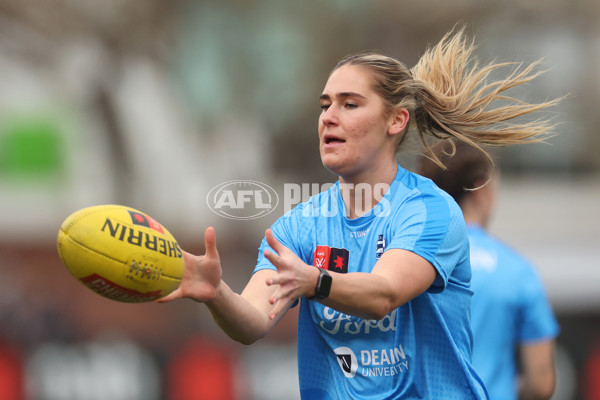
324	107
351	106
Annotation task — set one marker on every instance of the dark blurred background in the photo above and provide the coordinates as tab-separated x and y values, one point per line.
153	103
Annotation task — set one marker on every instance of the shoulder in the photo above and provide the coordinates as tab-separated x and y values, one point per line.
508	254
426	214
510	260
312	207
303	217
420	192
417	186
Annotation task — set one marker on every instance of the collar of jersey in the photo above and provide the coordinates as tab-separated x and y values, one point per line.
372	213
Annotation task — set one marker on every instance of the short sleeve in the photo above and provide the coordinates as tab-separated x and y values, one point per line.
432	226
289	229
536	318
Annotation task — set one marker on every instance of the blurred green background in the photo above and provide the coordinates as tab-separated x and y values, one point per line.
153	103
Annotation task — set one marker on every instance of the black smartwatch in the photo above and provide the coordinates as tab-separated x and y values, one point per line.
323	285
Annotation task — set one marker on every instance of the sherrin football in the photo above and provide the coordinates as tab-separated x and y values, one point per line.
120	253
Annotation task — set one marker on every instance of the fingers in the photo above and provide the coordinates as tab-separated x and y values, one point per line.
276	302
274	313
188	257
273	258
210	242
281	252
175	294
283	295
274	243
280	304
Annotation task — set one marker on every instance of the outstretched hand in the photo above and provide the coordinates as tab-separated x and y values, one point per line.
202	274
294	277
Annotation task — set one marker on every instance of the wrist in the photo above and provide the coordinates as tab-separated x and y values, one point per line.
322	286
214	294
314	281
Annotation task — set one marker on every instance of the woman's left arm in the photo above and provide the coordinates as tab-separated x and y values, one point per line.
398	277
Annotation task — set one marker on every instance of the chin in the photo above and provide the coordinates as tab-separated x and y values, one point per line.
331	168
338	168
330	164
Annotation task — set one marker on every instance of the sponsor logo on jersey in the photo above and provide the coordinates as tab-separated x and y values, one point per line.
372	362
331	259
347	361
336	322
383	362
359	234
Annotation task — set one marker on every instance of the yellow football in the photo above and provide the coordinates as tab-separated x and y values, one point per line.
120	253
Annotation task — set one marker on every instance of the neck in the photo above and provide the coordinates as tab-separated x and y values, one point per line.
361	193
474	216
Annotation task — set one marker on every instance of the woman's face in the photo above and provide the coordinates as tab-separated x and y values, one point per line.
353	126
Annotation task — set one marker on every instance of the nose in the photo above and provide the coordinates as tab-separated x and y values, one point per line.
329	117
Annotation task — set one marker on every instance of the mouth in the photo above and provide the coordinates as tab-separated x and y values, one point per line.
330	139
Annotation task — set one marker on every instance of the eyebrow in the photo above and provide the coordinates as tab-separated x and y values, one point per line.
342	95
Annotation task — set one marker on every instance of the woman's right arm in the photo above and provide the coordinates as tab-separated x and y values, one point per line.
243	317
537	378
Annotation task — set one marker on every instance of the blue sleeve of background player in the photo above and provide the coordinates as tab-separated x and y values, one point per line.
536	318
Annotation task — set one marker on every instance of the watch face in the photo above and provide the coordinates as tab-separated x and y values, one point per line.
324	284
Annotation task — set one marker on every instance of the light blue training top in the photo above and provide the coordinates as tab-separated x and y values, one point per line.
509	308
421	350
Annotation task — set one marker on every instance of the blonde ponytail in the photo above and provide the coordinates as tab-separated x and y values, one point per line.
455	98
450	96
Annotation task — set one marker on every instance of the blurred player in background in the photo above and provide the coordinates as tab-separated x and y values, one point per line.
380	262
514	327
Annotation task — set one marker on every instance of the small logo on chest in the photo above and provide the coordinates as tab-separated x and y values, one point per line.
331	259
380	246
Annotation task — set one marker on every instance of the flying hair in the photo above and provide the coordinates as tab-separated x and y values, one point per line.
450	95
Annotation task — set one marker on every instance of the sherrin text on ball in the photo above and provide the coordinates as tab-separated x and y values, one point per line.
120	253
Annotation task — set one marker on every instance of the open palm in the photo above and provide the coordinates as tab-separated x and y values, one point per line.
202	274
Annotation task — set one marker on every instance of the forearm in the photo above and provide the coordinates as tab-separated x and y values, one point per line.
538	376
237	317
398	277
542	389
364	295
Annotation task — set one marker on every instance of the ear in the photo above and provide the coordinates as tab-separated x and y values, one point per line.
398	121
